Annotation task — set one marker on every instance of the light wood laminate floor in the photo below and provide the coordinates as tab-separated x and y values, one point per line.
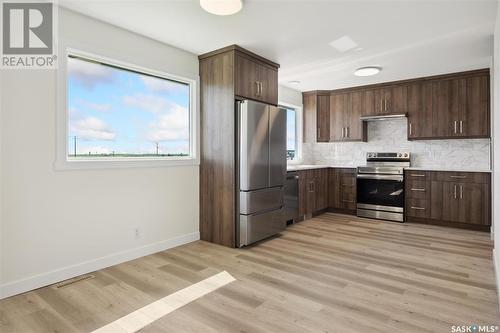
333	273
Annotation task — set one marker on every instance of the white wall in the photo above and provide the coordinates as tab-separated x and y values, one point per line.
58	224
496	148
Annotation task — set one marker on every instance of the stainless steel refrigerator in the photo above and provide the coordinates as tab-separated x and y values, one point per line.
261	160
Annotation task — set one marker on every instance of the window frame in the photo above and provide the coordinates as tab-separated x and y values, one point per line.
298	131
64	162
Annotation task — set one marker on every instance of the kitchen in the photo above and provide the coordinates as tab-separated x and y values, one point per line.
210	166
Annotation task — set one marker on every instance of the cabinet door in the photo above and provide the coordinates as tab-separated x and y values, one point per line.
475	120
382	100
303	192
246	77
448	100
444	201
338	108
368	103
355	128
268	79
398	100
474	203
323	118
309	127
333	188
321	189
420	110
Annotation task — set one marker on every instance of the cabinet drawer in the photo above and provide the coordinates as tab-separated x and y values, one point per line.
417	207
418	189
418	175
462	177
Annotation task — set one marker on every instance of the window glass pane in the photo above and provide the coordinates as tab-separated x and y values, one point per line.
291	132
115	112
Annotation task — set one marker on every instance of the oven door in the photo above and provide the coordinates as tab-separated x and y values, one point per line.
380	192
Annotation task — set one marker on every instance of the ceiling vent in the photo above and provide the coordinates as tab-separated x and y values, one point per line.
344	44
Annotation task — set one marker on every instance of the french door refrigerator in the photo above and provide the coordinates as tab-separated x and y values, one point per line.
261	161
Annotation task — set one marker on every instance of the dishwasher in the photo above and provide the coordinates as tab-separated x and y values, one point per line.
292	197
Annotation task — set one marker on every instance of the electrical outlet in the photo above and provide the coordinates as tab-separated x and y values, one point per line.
137	233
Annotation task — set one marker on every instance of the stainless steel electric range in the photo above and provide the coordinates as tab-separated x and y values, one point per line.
380	186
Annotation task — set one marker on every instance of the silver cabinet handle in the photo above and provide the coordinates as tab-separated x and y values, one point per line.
455	127
418	189
258	88
459	177
417	175
385	104
347	131
319	132
349	201
381	101
410	130
461	126
454	191
461	192
343	132
417	208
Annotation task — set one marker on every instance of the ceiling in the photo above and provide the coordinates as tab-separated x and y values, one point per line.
406	38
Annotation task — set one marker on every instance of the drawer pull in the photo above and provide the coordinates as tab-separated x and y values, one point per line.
417	175
418	208
418	189
349	201
459	177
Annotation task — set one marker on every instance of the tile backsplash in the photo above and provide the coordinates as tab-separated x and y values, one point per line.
390	136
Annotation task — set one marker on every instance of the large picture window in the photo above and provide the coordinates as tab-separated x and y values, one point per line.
118	113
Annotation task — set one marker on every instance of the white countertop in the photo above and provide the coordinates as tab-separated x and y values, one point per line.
297	167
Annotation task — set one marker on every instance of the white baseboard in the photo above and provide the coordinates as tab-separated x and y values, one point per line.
44	279
496	266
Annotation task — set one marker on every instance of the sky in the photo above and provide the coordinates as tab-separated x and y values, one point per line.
126	112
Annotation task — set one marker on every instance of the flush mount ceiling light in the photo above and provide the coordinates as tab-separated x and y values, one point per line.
222	7
367	71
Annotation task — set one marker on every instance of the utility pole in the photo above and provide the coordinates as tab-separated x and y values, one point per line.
157	148
74	144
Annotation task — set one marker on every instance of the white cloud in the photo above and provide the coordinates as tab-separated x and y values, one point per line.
172	120
89	74
92	128
163	85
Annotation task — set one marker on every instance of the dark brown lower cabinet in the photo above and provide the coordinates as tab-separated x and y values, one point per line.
313	191
460	199
342	189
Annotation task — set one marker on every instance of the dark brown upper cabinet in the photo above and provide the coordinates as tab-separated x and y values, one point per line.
385	100
255	80
345	113
316	116
450	106
420	110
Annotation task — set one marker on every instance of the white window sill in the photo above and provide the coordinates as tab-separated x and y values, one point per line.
112	163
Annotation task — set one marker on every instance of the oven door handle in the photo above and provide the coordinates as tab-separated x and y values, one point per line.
398	178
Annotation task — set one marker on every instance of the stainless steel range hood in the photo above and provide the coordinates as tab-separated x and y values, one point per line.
383	116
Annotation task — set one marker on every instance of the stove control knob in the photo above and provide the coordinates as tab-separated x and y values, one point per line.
400	155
